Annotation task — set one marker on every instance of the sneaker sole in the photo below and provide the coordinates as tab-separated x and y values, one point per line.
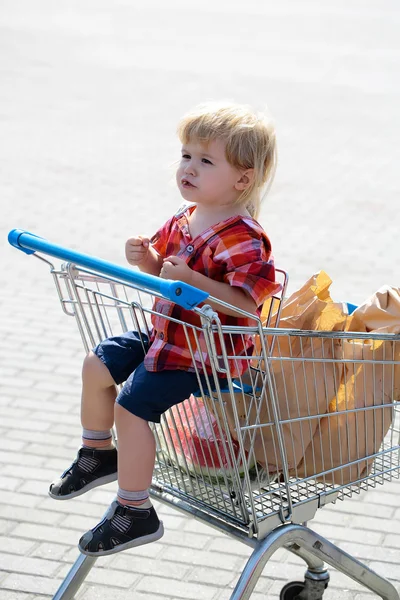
145	539
87	488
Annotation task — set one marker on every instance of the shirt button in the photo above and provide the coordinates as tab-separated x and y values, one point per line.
160	336
190	248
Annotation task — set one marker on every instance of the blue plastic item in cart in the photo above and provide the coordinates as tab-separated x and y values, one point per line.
351	308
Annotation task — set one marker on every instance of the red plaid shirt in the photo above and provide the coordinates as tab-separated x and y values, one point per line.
236	251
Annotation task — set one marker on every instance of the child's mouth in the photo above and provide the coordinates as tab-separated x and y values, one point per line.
187	184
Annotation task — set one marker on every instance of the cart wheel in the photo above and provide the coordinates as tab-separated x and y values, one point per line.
291	590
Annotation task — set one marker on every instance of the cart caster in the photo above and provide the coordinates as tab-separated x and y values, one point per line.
304	590
292	590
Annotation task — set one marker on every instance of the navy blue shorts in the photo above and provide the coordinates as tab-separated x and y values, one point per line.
146	394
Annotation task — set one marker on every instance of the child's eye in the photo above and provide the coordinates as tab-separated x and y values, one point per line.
187	156
206	161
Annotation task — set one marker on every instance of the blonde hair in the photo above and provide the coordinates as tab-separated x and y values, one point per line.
250	143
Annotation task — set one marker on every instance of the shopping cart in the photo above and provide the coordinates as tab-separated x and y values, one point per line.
280	450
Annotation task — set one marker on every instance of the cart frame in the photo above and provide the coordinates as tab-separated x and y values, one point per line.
250	517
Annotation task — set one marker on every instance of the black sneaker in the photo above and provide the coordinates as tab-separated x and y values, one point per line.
90	469
123	527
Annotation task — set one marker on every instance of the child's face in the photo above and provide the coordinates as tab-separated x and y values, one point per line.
204	175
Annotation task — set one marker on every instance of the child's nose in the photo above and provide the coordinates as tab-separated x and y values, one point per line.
189	168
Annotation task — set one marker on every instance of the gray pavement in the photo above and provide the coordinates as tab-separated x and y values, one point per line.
90	94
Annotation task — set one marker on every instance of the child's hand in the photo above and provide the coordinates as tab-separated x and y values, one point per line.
137	250
176	269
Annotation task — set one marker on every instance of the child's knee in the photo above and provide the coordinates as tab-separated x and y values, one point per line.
94	369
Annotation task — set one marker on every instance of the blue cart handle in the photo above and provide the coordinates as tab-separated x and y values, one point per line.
179	292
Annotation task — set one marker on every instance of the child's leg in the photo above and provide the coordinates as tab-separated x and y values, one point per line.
97	404
96	462
111	362
132	520
137	452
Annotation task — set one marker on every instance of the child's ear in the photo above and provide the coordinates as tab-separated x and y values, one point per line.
245	180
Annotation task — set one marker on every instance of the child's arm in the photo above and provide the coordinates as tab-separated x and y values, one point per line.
140	253
175	268
225	292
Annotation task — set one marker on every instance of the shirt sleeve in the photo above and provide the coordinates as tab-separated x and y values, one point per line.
249	264
160	238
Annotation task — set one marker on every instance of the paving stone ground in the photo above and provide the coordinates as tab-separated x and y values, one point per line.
90	94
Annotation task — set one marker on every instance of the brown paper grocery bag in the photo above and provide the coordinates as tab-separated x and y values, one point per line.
303	389
359	416
311	307
379	314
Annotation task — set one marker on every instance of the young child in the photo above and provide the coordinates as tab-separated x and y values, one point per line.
215	244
